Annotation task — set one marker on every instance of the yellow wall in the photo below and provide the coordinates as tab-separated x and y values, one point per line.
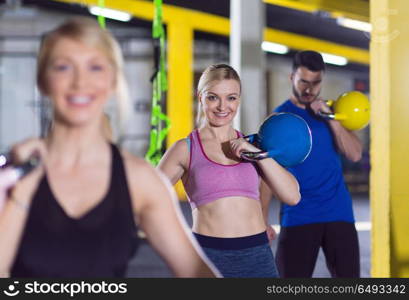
390	138
180	99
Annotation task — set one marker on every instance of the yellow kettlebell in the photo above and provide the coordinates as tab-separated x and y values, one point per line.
351	109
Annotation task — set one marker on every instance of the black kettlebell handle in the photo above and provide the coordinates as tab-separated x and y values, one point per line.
327	116
253	156
22	169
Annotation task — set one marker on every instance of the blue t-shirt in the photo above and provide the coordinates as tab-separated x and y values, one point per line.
324	195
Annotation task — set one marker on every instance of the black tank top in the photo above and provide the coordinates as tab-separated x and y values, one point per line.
98	244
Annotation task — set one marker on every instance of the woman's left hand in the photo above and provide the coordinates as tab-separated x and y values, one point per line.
240	145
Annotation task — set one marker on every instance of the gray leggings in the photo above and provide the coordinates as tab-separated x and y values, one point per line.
244	257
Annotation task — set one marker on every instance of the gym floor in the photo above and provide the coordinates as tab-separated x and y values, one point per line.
147	263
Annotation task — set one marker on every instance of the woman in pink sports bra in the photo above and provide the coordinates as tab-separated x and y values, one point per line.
222	189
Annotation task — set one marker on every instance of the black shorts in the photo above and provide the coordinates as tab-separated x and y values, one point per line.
298	248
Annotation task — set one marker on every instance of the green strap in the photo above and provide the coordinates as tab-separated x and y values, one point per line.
160	123
101	19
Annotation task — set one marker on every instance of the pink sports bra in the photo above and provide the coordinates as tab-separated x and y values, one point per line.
208	180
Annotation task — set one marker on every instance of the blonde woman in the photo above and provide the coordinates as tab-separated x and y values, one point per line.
224	190
77	215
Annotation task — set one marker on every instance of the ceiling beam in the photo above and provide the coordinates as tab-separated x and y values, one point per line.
353	9
220	25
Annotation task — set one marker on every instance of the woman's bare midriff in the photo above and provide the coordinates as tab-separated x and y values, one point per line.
229	217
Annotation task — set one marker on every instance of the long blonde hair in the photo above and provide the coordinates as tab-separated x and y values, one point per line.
88	32
210	75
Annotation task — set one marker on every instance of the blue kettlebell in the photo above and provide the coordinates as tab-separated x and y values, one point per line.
285	137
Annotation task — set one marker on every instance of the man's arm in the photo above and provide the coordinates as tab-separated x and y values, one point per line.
346	141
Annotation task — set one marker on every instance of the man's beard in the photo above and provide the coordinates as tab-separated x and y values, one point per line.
299	97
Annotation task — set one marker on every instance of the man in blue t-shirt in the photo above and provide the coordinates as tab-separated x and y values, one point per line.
324	216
